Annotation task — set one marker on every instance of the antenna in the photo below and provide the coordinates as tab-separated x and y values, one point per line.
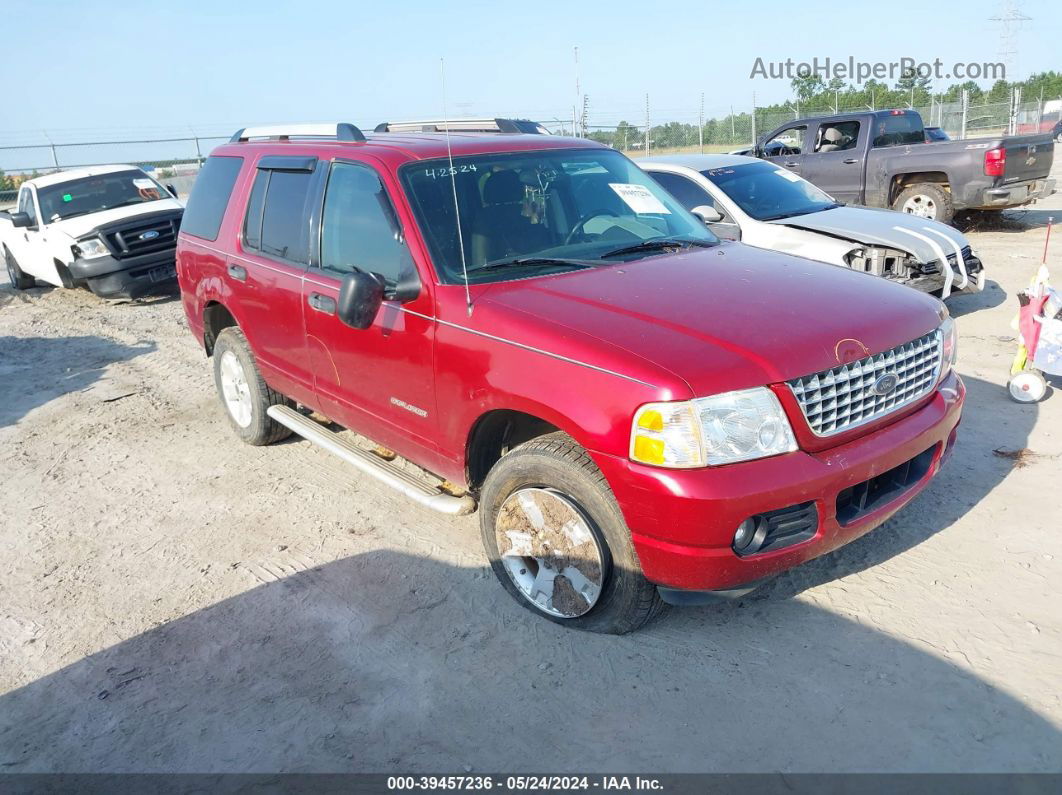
453	184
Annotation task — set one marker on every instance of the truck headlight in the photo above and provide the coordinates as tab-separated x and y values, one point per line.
709	431
89	248
950	343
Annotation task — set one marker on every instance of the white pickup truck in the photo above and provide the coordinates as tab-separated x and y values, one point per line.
110	228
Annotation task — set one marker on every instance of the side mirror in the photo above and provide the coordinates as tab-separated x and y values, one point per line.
360	297
709	215
20	220
171	189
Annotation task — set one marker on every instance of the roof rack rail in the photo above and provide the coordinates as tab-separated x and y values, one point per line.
525	126
341	131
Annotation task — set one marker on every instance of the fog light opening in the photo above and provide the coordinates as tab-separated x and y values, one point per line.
750	535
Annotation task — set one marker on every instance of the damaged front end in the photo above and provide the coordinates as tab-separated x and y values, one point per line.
962	270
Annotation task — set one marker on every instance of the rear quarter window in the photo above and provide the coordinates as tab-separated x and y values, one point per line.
210	196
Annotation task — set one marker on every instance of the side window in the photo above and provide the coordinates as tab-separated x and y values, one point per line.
897	129
26	205
688	192
284	219
788	142
837	136
359	228
252	222
210	196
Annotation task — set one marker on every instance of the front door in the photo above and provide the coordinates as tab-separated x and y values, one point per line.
29	245
786	148
378	381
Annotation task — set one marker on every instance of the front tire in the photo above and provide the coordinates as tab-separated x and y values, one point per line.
926	200
557	541
18	279
244	393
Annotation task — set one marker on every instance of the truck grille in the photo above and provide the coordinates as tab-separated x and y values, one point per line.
845	397
136	238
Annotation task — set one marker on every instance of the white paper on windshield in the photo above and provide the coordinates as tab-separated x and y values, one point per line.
639	199
789	175
146	184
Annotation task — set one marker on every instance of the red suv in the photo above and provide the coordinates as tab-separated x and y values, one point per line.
640	412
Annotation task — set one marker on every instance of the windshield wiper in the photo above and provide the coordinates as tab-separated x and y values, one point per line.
657	244
795	213
528	262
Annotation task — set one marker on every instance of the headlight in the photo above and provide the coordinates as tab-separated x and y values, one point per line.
89	248
950	344
721	429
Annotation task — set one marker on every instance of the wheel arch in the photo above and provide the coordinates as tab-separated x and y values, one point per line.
900	182
216	318
497	431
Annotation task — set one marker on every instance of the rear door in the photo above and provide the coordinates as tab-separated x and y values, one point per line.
379	381
835	159
265	274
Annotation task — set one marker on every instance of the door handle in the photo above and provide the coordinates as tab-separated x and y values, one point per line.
238	272
792	165
322	303
852	160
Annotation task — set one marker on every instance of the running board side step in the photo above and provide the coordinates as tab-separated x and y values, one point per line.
372	465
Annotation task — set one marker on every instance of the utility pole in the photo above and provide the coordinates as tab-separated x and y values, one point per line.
754	118
965	112
647	125
1010	19
578	92
700	126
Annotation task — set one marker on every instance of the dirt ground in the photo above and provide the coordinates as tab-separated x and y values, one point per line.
173	600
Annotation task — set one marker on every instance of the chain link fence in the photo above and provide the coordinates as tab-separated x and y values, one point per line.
639	132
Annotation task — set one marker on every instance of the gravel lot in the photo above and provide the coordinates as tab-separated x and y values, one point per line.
173	600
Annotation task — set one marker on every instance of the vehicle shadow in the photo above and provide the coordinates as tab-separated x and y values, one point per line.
964	303
390	662
991	422
36	370
1016	220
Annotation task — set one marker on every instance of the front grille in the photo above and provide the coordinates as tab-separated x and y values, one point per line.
126	240
857	501
845	397
970	262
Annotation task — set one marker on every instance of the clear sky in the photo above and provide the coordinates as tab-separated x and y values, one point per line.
80	69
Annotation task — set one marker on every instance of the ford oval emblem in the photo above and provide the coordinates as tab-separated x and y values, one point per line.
150	234
885	384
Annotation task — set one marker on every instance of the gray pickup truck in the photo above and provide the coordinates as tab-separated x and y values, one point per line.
881	159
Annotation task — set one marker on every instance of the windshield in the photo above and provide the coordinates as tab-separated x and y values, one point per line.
766	192
535	212
103	192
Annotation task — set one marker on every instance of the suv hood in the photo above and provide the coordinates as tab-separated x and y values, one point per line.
728	317
81	225
879	227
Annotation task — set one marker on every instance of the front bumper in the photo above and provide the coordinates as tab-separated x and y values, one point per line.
1015	195
682	522
110	277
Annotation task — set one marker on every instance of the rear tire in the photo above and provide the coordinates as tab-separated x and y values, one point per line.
574	533
926	200
244	394
18	279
